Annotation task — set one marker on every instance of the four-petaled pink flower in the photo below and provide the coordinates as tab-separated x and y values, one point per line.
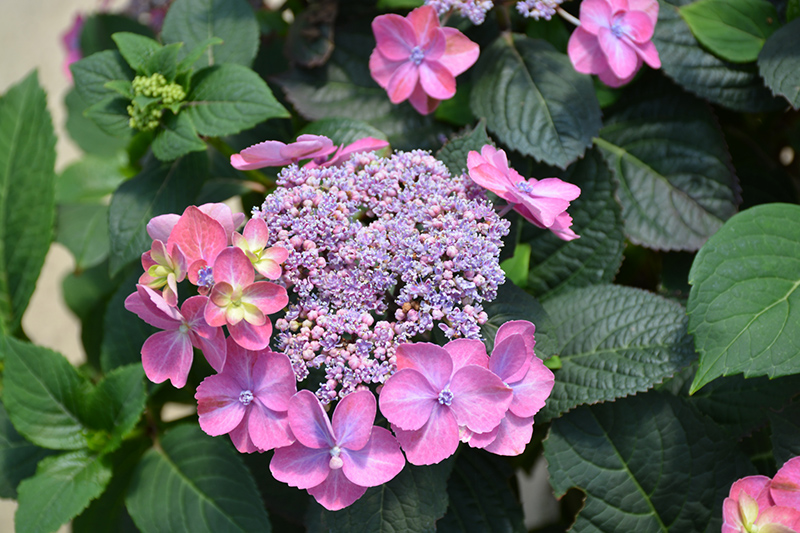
437	389
416	59
164	266
253	242
750	507
343	153
242	303
168	354
614	38
161	226
542	202
249	399
278	154
336	462
514	362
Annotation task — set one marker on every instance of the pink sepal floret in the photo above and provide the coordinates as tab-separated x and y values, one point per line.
343	153
249	399
278	154
253	242
764	504
336	462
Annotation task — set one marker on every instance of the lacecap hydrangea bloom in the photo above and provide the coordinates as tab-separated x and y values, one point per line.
381	251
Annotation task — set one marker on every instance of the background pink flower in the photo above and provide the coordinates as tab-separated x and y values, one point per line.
343	153
614	38
278	154
417	60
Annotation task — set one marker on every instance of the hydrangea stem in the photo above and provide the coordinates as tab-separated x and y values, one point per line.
567	16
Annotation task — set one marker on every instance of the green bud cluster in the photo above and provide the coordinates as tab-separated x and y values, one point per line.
146	117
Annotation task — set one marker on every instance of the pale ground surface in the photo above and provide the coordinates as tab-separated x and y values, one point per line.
30	37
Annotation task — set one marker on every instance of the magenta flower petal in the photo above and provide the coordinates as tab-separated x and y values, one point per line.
436	80
309	422
161	226
199	236
267	296
510	358
425	24
218	404
460	53
480	399
249	336
787	517
210	340
367	144
274	382
516	327
647	52
481	440
785	487
649	7
432	443
430	360
377	462
608	77
532	391
268	429
214	314
300	466
256	233
513	435
407	399
336	492
232	266
240	436
621	58
167	355
424	104
467	352
595	14
223	214
584	51
353	418
140	304
402	82
637	26
395	37
381	68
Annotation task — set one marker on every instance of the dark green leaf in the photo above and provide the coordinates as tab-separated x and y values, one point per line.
195	483
83	229
745	303
786	433
481	497
534	101
92	73
98	29
512	303
342	130
85	132
115	405
42	393
732	29
792	10
227	99
62	487
594	258
344	88
136	49
165	61
413	501
398	4
309	41
617	341
647	464
733	85
89	180
122	87
666	151
158	189
779	63
454	153
517	266
27	194
195	54
193	22
456	110
18	457
111	115
177	137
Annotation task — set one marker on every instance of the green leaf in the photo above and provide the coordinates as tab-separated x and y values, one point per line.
617	341
785	433
733	85
512	303
481	496
669	157
42	393
732	29
158	189
122	87
398	4
745	303
186	63
193	22
413	501
85	132
534	101
195	483
89	180
17	455
647	464
342	130
454	153
116	404
779	63
111	115
176	137
165	61
136	49
27	195
92	73
594	258
309	40
344	88
99	28
517	266
792	10
62	487
83	229
227	99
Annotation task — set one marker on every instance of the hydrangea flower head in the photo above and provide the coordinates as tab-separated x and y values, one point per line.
437	389
164	266
474	10
336	462
542	202
168	354
380	250
614	39
278	154
249	399
253	242
417	60
538	9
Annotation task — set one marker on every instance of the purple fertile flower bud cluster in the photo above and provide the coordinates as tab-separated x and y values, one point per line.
381	251
474	10
538	9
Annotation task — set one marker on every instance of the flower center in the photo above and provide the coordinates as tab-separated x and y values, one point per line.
205	277
525	187
336	462
445	397
417	55
618	26
246	397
